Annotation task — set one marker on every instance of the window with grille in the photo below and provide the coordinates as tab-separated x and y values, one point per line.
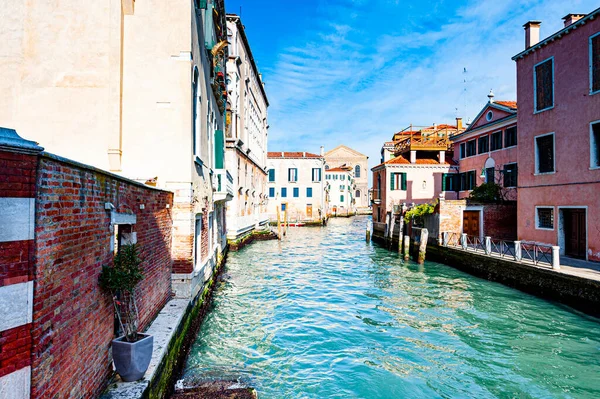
471	148
293	174
510	137
595	63
510	175
545	218
544	85
484	144
595	145
496	143
544	154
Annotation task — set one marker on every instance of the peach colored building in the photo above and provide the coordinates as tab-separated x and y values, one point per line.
417	170
558	88
487	150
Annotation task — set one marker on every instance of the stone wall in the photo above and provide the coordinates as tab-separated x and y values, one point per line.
451	215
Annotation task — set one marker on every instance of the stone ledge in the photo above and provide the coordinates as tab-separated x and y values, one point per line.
163	328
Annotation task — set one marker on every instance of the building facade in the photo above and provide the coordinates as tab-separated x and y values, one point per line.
417	171
296	185
246	136
340	189
558	87
148	103
487	150
343	156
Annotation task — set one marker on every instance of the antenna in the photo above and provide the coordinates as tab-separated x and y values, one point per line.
465	93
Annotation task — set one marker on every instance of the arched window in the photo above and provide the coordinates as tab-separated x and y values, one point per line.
357	171
326	167
357	194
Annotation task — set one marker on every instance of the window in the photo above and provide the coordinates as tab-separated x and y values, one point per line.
296	192
341	198
357	171
398	181
544	218
544	153
489	115
343	177
292	174
543	79
510	137
283	192
490	175
463	150
450	182
595	63
471	148
484	144
510	175
595	144
271	175
467	180
342	188
283	207
326	167
197	120
357	194
198	240
309	192
272	192
327	177
496	143
316	174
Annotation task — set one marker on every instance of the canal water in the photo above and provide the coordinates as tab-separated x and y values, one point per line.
325	315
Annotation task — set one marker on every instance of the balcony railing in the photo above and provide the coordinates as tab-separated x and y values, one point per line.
428	139
223	185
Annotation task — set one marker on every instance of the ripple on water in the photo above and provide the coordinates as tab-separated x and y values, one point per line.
323	314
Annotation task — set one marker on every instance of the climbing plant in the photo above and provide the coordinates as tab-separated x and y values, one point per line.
416	213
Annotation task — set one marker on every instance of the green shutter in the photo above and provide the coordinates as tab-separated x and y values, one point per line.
403	177
392	181
444	177
219	149
202	4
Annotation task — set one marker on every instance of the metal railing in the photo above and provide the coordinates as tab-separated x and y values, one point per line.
520	251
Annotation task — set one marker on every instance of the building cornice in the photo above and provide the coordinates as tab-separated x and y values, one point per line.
507	120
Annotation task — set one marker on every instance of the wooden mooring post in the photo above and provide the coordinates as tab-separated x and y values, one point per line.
368	232
406	247
400	234
423	246
278	223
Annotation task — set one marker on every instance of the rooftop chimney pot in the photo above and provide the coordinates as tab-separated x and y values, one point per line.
572	18
532	33
459	123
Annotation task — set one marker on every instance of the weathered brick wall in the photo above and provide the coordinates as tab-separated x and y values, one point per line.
73	319
17	177
500	221
451	215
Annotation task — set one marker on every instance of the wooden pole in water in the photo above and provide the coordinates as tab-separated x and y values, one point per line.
368	232
278	223
423	246
400	234
285	221
406	247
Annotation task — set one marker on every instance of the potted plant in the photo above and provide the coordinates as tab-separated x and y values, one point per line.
132	351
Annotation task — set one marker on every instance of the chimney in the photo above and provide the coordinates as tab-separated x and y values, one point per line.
459	124
304	155
532	33
572	18
282	154
322	151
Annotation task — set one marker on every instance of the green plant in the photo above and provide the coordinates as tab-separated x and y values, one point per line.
487	193
120	281
417	213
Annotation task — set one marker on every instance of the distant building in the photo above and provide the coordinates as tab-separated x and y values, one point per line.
558	88
246	136
296	184
418	169
340	190
346	157
487	150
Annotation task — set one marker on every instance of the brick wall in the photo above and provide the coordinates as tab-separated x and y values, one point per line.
73	322
451	218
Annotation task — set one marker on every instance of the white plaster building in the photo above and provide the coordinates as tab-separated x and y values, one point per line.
246	136
340	188
137	88
296	184
343	156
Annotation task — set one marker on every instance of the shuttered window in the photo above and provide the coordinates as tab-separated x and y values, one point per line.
544	85
271	175
296	192
316	174
467	180
283	192
398	181
292	174
308	192
544	154
271	192
450	182
595	63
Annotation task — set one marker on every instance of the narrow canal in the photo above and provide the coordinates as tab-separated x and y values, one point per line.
325	315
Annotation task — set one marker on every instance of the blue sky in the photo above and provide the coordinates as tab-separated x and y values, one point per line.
355	71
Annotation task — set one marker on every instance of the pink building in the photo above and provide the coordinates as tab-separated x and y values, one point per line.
558	87
487	150
417	170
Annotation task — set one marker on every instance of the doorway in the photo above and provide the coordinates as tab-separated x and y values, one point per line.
471	223
574	232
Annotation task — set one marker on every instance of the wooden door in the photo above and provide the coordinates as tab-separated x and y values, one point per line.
471	223
575	234
309	211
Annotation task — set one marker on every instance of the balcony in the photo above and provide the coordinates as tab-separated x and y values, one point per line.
425	139
376	197
222	186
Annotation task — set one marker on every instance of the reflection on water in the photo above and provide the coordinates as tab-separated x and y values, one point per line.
323	314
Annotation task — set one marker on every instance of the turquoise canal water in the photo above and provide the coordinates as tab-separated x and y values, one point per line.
325	315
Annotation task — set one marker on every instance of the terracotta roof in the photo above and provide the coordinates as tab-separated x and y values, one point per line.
508	104
338	170
296	154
